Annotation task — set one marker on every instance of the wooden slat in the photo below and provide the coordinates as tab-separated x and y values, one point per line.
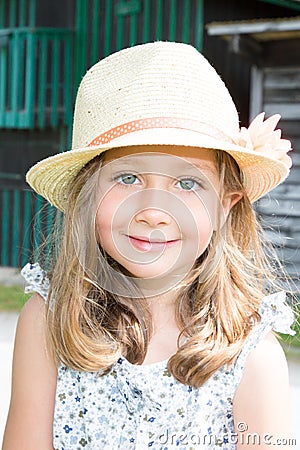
2	14
3	85
67	81
5	227
146	20
133	30
21	71
15	228
285	224
198	21
30	80
282	95
22	13
287	78
37	225
287	110
81	40
287	191
256	98
95	27
294	175
54	64
42	82
288	236
289	255
120	30
280	206
26	227
12	13
186	21
280	238
32	13
108	26
172	20
15	78
158	19
291	128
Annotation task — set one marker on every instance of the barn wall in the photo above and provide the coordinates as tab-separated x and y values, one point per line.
278	89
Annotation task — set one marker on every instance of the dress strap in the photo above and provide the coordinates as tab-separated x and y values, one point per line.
36	280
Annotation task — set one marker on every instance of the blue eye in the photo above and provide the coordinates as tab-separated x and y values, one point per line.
127	179
189	184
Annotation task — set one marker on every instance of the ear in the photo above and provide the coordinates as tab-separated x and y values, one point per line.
229	201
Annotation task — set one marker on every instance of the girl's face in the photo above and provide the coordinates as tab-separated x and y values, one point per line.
158	208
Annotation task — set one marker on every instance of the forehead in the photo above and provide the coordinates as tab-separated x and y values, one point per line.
157	158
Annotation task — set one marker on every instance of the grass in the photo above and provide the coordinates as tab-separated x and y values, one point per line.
291	344
288	340
294	340
12	298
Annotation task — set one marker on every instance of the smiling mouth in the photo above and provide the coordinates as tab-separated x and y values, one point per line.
145	245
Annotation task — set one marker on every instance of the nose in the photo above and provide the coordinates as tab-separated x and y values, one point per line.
153	208
153	217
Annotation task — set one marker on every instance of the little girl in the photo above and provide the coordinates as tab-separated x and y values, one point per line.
153	325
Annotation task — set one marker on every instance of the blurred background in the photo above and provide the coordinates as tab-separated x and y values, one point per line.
46	46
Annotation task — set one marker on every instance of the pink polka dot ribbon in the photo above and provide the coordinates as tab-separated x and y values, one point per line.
159	122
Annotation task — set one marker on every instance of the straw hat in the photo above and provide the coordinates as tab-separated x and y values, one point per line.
161	93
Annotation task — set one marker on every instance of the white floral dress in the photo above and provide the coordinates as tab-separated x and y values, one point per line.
140	407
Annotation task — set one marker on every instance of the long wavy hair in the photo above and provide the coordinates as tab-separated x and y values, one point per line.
90	325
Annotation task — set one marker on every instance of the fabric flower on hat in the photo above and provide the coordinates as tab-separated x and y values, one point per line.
261	137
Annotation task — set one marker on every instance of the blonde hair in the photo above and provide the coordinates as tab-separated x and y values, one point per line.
90	327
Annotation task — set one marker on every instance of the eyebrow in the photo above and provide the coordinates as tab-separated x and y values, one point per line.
211	168
130	160
123	161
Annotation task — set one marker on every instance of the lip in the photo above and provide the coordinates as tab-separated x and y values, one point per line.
145	244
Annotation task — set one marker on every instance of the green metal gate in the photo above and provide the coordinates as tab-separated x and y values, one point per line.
100	28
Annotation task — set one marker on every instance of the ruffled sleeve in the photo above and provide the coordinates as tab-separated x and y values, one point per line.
36	280
275	315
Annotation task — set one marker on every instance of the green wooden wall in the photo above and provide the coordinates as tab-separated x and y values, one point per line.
106	26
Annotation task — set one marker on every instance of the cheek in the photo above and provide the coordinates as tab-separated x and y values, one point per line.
104	218
203	211
111	218
205	227
211	208
199	231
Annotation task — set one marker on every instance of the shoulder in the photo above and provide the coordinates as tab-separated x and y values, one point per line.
34	308
31	328
262	398
33	382
265	363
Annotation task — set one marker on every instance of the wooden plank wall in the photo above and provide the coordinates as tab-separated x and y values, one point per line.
280	210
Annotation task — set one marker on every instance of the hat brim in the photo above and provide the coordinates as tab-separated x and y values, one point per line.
53	176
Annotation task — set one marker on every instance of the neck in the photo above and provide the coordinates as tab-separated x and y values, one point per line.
162	309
